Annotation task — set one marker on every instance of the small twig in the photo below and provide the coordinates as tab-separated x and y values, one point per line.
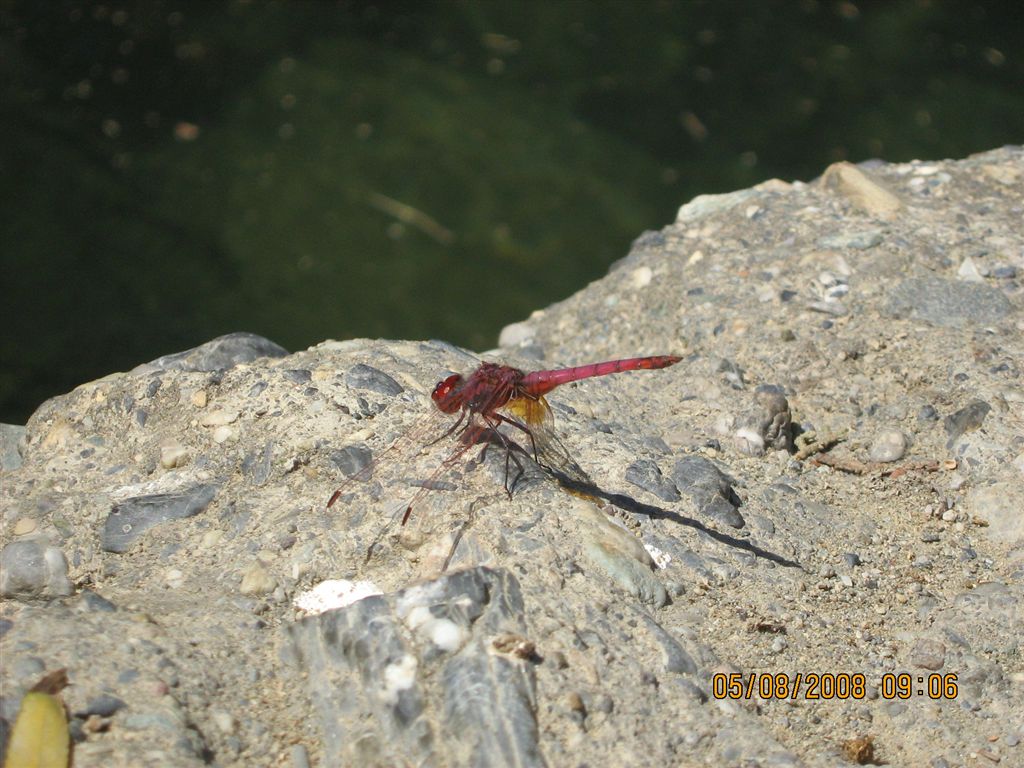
812	445
883	469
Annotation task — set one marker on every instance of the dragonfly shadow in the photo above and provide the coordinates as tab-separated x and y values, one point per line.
590	488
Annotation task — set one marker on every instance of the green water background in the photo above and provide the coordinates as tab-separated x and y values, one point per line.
171	171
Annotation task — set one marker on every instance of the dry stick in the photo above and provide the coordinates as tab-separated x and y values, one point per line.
853	466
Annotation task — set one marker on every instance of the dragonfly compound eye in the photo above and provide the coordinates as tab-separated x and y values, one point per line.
445	393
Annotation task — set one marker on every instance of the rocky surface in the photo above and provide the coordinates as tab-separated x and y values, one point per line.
830	484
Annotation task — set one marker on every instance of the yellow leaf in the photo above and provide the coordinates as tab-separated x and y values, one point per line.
40	736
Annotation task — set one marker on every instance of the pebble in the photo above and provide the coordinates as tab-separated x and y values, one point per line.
361	376
173	454
646	474
199	398
257	463
765	424
710	489
257	580
849	181
104	705
352	459
858	240
131	518
90	601
516	335
641	277
218	418
1007	272
829	307
222	434
33	569
10	436
223	720
219	354
889	445
25	526
928	654
969	271
967	419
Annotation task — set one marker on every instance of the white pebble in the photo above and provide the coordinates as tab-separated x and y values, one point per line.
334	593
173	455
888	445
641	277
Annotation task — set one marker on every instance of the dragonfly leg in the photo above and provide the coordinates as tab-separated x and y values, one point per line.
520	471
452	429
495	421
520	426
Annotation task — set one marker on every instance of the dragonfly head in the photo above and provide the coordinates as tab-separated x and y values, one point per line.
446	394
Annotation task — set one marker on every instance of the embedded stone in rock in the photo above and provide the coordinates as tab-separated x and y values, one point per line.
362	376
703	206
33	569
619	554
944	302
928	654
10	435
861	190
859	240
889	445
766	424
646	474
413	678
709	488
352	459
257	464
133	517
967	419
220	353
104	705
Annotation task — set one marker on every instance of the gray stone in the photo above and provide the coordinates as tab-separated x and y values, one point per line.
362	376
257	464
967	419
710	489
219	354
858	240
947	303
131	518
10	436
646	474
352	459
104	705
422	677
928	654
32	569
765	424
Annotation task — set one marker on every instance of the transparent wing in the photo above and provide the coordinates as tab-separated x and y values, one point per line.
536	417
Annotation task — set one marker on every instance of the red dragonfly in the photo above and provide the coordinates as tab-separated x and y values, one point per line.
494	395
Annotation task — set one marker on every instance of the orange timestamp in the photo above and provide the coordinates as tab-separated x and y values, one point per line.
827	685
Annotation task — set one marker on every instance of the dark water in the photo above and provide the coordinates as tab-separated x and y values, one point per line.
170	171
